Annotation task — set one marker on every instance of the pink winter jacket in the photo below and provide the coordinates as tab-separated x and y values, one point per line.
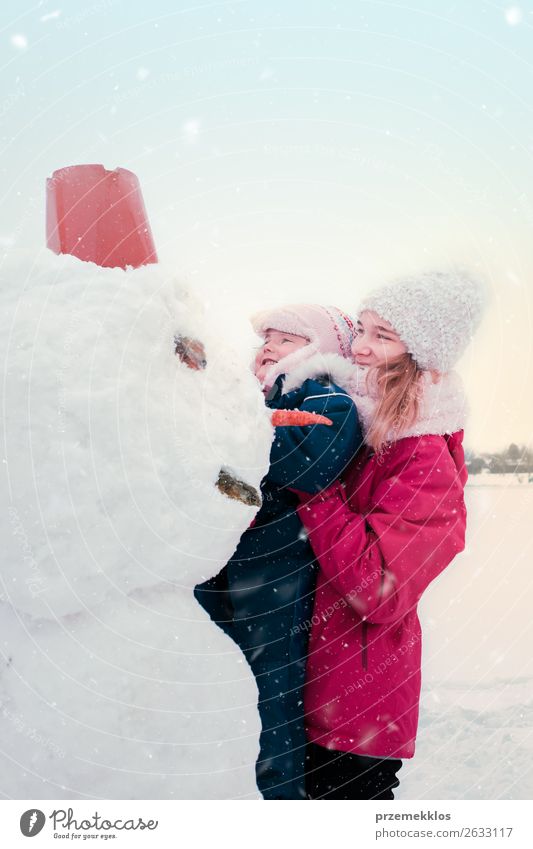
380	539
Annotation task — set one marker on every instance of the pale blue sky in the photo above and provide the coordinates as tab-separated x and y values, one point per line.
296	149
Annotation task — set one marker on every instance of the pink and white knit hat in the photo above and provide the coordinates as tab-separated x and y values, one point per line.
329	330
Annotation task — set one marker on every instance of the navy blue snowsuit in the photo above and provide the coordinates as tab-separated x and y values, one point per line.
263	597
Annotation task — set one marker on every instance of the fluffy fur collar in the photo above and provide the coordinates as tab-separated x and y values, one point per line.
332	366
443	407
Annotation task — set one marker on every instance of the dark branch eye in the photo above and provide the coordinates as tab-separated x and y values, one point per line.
191	352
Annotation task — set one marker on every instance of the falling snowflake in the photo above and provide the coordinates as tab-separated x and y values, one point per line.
513	15
142	74
19	41
190	130
55	14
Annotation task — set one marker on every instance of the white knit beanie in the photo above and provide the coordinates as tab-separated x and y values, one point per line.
435	314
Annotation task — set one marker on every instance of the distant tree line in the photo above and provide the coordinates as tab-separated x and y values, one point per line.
515	458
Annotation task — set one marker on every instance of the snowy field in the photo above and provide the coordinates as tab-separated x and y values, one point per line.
504	481
113	681
475	738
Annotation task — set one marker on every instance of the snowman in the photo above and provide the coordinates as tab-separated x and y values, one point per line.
129	476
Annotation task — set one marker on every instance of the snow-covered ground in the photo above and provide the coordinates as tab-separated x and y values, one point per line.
475	738
113	681
502	480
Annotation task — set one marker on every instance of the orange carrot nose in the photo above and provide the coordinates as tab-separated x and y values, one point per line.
98	216
299	418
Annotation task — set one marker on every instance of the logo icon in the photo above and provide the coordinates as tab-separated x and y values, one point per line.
32	822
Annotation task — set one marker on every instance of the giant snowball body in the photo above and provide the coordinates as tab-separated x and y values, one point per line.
114	683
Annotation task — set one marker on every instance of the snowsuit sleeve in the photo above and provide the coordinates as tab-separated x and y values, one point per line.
411	529
311	458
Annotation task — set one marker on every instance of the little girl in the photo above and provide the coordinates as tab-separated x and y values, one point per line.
263	597
397	520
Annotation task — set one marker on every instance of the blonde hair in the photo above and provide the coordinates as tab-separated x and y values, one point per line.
397	384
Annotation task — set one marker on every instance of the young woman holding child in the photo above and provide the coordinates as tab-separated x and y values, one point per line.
392	521
384	532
